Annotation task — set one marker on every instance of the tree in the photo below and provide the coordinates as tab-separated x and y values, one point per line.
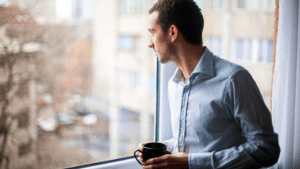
33	53
19	44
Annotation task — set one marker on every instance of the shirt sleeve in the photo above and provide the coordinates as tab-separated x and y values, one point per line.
260	148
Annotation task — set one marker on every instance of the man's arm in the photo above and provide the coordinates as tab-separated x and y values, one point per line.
261	148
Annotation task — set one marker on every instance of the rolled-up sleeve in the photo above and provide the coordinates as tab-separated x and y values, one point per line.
260	148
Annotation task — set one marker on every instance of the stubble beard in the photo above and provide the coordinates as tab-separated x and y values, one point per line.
165	58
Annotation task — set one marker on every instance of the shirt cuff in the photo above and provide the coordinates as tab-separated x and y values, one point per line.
201	160
170	144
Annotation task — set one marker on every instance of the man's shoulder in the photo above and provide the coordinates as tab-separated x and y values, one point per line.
226	68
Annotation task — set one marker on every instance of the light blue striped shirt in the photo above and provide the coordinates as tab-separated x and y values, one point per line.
219	117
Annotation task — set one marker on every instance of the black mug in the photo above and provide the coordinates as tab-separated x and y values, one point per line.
152	150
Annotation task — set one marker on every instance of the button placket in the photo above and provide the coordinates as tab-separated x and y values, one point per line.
182	120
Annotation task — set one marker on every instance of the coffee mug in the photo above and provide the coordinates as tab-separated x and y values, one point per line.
152	150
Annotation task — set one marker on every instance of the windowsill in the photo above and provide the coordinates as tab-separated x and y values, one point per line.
115	164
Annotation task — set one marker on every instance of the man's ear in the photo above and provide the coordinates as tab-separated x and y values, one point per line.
174	32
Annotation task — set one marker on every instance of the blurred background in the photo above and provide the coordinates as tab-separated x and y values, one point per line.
78	81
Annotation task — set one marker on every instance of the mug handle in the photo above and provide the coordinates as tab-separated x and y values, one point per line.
136	157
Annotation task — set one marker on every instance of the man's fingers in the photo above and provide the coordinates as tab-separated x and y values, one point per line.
154	166
168	152
141	148
141	155
154	160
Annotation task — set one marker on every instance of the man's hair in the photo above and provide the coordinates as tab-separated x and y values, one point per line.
185	14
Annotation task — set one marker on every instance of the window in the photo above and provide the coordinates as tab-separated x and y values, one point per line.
272	4
152	83
270	51
257	5
91	100
265	52
126	43
241	4
215	44
254	50
262	4
260	51
210	4
130	6
200	3
83	9
244	49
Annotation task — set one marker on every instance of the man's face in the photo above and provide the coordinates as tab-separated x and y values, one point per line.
160	42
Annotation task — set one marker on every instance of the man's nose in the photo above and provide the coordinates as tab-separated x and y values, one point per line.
151	44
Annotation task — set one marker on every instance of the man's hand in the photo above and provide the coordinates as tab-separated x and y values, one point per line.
168	161
141	148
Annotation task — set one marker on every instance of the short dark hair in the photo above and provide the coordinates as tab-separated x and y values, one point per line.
185	14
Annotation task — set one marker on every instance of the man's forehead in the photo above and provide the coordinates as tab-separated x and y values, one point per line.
153	20
153	16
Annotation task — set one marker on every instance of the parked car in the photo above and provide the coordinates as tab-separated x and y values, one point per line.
67	118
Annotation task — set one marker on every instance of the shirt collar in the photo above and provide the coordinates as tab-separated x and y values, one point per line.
205	66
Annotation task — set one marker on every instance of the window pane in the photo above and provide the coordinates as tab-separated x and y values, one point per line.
200	3
220	47
122	6
260	50
208	42
241	3
250	48
126	43
272	4
221	4
83	87
208	4
262	4
130	6
239	48
215	44
270	51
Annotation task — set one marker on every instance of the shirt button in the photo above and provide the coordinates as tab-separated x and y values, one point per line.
183	108
182	129
181	149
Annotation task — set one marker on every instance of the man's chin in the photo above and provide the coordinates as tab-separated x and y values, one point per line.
164	61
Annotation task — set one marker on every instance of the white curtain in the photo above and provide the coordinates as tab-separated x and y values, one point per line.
286	85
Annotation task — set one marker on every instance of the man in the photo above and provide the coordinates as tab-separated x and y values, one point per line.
218	116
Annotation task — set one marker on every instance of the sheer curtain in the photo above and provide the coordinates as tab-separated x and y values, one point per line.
286	85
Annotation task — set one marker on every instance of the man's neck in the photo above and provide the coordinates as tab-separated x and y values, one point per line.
188	59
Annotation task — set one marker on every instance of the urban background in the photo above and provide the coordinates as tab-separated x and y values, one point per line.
77	79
